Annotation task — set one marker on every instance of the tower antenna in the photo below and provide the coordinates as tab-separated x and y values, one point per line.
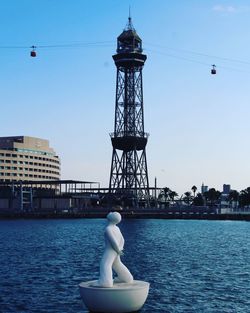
129	25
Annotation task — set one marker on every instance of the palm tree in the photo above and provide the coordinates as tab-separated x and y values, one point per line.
187	197
198	200
244	197
173	194
166	191
194	189
164	195
212	196
233	198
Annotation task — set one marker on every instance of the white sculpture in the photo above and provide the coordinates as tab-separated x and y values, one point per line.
114	243
123	294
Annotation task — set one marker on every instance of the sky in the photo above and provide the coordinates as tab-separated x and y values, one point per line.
198	123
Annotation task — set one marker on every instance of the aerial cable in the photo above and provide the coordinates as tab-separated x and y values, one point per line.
33	52
200	54
74	45
79	44
195	61
177	57
110	43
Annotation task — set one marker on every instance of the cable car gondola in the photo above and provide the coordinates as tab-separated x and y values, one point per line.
213	70
33	52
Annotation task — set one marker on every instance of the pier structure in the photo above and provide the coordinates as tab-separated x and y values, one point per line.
55	197
129	174
71	198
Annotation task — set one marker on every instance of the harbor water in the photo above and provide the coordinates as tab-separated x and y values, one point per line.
192	266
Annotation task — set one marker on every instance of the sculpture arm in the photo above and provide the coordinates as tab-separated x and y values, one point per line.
122	242
112	240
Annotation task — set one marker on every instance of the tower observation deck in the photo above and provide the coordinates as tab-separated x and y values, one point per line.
129	175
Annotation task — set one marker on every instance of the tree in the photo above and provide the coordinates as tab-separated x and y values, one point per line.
212	196
194	189
198	200
164	195
187	199
167	195
233	198
173	195
244	197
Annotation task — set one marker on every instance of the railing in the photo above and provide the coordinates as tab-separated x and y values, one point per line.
119	134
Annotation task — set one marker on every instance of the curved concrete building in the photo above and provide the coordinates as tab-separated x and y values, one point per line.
27	158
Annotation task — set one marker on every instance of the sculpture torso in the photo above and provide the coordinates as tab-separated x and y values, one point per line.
113	238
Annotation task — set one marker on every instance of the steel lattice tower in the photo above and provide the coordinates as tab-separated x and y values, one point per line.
129	175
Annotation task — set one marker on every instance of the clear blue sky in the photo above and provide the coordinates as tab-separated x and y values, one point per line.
198	123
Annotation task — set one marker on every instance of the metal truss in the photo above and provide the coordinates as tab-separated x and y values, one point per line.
129	174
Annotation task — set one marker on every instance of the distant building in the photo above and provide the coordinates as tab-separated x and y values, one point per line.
27	158
226	189
225	203
204	189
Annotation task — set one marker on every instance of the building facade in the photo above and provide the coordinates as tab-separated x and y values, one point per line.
24	158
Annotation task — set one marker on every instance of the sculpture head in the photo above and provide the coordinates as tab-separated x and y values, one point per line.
114	217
